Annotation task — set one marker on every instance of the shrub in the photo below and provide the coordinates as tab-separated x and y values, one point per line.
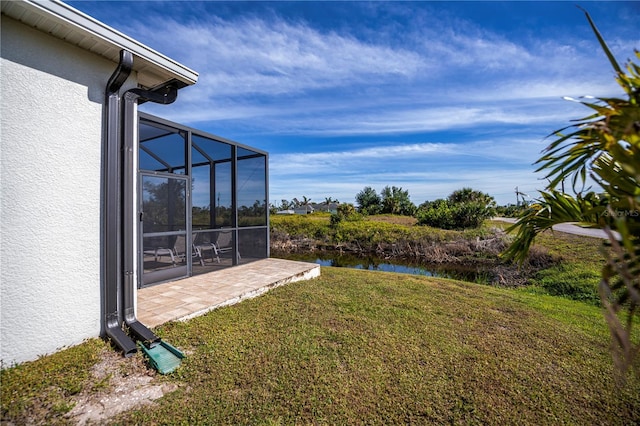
449	214
369	202
345	212
470	215
396	201
437	214
300	225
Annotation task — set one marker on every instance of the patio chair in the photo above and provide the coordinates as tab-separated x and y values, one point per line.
158	248
179	250
159	252
202	248
223	244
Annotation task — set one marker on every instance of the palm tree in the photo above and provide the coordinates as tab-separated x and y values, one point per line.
328	201
468	195
606	147
305	202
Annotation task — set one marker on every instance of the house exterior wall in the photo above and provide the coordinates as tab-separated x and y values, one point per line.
52	96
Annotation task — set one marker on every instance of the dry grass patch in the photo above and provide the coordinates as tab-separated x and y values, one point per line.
86	384
394	219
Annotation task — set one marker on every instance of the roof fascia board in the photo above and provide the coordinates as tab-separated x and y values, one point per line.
62	11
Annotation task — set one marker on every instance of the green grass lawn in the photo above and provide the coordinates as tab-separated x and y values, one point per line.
360	347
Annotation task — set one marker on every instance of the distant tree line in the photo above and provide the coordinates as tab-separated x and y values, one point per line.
304	201
463	208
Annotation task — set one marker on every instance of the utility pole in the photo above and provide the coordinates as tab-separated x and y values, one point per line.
522	195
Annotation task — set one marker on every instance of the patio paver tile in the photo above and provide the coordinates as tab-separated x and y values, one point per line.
196	295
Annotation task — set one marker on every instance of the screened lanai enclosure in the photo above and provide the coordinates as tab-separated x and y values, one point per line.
202	203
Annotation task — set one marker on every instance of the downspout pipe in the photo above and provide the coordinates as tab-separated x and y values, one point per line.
165	96
111	229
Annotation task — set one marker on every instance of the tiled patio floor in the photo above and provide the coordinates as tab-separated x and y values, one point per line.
194	296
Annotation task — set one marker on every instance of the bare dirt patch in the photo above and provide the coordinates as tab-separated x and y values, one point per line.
120	385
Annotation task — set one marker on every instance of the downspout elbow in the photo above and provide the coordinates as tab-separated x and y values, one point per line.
166	96
114	331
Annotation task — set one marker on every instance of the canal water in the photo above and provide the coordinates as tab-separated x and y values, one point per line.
471	274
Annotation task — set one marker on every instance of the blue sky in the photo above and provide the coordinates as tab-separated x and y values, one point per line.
427	96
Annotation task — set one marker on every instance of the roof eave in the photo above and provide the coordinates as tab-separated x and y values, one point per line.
63	21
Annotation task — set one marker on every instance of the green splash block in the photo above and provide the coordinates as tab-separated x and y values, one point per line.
163	357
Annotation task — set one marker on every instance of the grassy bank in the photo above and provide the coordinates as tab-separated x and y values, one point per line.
356	347
387	237
369	232
560	264
575	274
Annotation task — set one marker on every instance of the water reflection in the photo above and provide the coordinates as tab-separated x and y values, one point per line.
458	272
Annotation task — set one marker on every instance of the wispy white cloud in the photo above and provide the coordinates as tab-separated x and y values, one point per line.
275	75
506	149
466	47
255	56
430	119
427	170
330	161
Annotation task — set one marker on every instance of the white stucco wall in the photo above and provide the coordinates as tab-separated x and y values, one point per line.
50	193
